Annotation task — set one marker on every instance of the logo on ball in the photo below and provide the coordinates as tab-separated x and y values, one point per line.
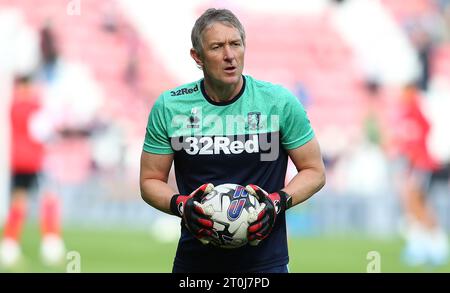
237	204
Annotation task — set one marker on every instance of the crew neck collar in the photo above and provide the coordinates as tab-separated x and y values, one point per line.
234	99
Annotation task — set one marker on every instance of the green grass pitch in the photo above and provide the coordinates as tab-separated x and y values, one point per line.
120	250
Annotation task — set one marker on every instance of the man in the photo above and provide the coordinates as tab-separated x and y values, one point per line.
27	156
228	128
426	240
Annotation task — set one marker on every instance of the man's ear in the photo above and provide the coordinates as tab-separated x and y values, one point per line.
196	56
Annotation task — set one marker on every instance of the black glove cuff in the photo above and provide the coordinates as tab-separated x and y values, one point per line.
173	205
286	200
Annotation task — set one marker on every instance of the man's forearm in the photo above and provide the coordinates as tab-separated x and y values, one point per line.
157	194
305	184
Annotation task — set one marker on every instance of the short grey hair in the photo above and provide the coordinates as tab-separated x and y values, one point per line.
207	19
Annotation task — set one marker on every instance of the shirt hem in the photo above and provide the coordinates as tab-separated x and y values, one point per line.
260	267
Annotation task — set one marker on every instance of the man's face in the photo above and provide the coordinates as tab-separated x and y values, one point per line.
223	54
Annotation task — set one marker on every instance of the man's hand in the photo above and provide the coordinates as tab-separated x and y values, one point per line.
271	205
188	207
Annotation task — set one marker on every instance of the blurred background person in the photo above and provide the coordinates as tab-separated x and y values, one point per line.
49	51
426	240
27	154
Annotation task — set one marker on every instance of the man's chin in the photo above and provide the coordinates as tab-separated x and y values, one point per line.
231	80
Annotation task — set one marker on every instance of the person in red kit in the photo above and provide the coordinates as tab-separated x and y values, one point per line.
426	241
27	155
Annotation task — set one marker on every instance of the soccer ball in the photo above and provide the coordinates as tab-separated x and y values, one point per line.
231	208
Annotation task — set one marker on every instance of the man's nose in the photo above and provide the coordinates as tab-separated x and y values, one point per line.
228	53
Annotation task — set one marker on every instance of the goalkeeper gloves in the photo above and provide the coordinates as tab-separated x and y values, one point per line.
271	206
188	208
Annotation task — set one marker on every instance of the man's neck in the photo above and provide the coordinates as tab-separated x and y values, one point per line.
222	93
